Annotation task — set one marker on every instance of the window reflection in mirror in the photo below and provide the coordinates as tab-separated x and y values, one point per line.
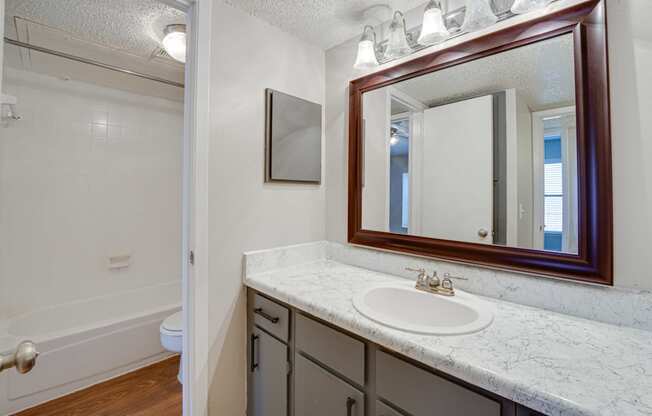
483	152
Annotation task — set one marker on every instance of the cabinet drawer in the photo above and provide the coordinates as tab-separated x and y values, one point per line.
383	410
271	316
343	354
422	393
319	393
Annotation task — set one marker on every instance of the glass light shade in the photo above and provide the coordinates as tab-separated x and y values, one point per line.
393	141
366	55
397	44
478	15
525	6
433	29
174	42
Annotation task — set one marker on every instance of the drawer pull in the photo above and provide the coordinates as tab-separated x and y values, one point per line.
350	402
253	362
270	318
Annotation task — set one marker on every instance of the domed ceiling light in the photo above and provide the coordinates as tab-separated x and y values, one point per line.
174	41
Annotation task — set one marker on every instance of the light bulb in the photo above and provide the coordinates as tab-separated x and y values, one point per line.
478	16
433	29
366	57
397	44
174	42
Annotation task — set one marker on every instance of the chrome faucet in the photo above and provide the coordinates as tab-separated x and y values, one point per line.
433	284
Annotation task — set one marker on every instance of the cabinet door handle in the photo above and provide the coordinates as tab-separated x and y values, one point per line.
252	346
270	318
350	402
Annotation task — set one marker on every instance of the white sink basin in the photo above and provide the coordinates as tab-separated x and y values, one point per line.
403	307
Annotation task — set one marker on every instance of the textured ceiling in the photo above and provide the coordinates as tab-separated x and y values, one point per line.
326	23
123	33
542	73
131	26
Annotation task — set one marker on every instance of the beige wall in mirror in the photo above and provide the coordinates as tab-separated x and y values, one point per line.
483	152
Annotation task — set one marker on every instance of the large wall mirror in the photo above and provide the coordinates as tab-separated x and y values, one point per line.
495	152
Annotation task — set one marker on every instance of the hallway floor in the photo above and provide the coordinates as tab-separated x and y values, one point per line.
150	391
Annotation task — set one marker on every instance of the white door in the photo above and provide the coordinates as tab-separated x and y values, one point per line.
457	171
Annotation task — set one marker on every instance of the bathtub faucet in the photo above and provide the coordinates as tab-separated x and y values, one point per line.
24	358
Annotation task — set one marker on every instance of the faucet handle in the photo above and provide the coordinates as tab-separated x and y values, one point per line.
446	287
449	277
421	276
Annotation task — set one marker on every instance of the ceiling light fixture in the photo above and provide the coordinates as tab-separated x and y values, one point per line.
397	44
438	26
433	29
394	138
366	58
174	41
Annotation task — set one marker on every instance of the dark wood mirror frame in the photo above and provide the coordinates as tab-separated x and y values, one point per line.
594	261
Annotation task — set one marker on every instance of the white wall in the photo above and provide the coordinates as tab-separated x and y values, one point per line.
630	49
88	173
245	213
3	312
630	58
2	30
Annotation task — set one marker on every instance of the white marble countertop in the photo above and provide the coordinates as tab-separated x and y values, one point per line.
553	363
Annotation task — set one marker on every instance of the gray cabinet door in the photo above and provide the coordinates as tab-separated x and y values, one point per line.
268	380
383	410
319	393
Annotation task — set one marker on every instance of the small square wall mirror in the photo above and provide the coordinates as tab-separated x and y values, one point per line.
293	139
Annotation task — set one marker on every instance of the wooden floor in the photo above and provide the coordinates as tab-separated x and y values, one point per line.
152	390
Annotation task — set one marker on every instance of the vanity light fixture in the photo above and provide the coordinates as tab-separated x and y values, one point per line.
433	29
478	15
397	44
525	6
366	58
437	26
174	41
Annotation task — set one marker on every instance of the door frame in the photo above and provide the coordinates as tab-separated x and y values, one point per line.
194	273
538	135
415	116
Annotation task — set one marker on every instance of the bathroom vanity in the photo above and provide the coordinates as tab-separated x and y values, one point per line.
311	351
301	365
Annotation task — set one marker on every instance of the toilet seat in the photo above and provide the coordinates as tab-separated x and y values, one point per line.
172	337
172	325
172	333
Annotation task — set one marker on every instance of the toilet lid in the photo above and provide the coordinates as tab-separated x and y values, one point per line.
173	322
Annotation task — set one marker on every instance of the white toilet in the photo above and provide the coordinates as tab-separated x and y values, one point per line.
172	337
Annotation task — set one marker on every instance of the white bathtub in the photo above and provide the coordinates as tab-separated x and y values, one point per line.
85	342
